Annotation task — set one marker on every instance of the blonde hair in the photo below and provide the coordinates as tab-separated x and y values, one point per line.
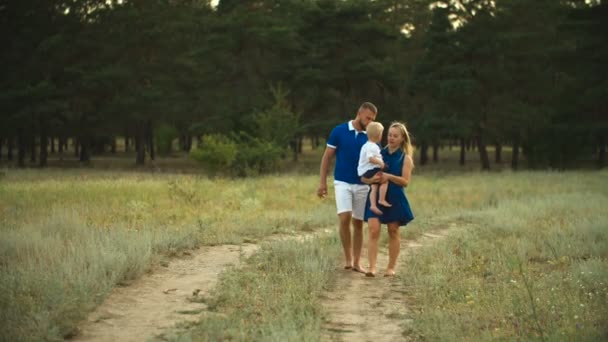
374	129
406	144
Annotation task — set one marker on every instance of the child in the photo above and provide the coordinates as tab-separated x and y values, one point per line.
370	163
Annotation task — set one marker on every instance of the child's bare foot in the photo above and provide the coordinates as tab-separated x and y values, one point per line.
376	210
384	203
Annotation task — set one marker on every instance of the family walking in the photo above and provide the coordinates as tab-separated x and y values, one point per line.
360	164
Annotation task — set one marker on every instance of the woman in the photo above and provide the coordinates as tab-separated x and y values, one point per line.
398	156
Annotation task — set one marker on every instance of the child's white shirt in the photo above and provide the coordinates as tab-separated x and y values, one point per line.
369	149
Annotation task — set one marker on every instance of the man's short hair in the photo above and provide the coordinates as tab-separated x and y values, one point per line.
370	106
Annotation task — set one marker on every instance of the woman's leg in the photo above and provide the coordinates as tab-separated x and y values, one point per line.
372	245
394	245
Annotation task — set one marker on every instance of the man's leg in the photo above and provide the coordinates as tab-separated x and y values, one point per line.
357	244
345	237
359	199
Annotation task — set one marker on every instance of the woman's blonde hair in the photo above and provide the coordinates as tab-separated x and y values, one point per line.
406	144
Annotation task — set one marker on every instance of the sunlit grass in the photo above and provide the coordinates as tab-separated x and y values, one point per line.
68	237
274	297
530	260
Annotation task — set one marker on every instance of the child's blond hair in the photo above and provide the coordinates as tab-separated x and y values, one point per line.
374	129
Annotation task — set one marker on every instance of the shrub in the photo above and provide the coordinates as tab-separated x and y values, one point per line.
216	152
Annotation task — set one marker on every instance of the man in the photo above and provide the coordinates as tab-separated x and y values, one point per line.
345	143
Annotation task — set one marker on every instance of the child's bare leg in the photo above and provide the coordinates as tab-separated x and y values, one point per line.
383	189
372	199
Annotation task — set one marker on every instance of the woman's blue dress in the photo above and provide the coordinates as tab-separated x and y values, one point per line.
400	210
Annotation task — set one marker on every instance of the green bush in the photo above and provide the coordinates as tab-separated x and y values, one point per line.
256	156
216	152
239	155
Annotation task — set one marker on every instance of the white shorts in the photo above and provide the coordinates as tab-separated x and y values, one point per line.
351	197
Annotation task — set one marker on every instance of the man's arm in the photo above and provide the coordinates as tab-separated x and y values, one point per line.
325	160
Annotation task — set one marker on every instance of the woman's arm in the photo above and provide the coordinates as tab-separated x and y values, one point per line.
373	180
406	173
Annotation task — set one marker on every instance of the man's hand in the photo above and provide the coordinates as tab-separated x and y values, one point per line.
322	191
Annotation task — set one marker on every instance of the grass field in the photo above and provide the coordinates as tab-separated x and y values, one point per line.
526	258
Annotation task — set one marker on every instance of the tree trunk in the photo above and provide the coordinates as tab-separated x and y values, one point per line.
140	146
60	144
316	142
20	148
515	156
76	144
483	152
424	157
183	141
44	140
188	143
498	156
1	142
601	155
10	145
32	148
52	144
463	145
150	139
435	152
85	150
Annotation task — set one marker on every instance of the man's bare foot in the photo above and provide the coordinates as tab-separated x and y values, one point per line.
375	210
384	203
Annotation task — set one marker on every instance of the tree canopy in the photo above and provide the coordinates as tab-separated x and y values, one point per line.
529	74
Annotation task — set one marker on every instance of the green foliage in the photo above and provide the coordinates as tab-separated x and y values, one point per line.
164	135
237	155
278	125
216	152
99	68
256	156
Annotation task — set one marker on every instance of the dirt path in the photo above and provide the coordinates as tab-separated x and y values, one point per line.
157	301
161	299
371	309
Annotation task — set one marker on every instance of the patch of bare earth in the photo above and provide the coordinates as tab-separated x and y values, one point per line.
360	308
159	300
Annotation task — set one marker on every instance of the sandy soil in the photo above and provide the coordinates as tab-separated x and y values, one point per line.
159	300
371	309
359	309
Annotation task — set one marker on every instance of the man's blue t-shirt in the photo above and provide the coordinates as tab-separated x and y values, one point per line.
347	142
